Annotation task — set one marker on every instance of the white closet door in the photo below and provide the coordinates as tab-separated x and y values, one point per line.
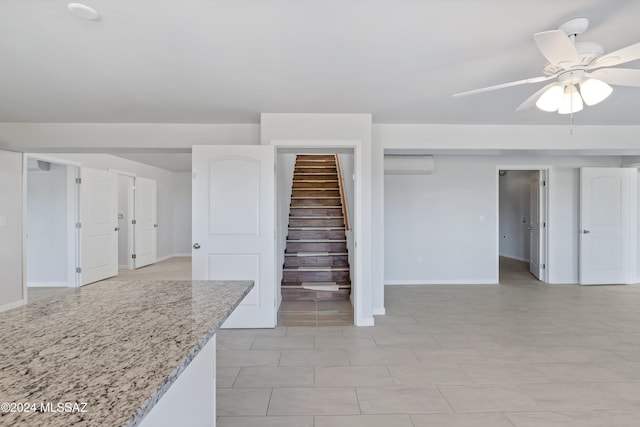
607	224
99	223
146	217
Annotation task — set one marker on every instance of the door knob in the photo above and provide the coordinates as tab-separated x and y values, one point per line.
196	246
116	229
585	232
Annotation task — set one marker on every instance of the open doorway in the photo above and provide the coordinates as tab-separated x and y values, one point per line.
51	215
315	210
522	224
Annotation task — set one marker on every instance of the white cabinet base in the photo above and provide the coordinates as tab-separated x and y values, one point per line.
191	399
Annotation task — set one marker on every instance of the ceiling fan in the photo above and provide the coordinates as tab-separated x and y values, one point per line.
580	70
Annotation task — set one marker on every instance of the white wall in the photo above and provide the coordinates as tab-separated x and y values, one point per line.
11	210
514	204
450	218
47	227
286	163
182	213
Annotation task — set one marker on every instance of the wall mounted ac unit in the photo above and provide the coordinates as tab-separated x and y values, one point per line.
408	164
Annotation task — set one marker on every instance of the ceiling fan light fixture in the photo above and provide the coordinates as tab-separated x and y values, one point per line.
571	101
594	91
550	100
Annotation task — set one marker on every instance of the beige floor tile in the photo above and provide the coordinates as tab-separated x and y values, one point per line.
283	343
625	391
314	331
575	419
351	342
363	421
275	332
449	356
293	306
406	341
265	422
270	376
577	372
382	356
314	358
314	401
391	319
401	400
228	342
428	374
369	331
242	401
488	398
502	373
225	376
565	397
460	420
350	376
247	358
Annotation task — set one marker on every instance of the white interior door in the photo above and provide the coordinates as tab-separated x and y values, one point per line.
99	223
607	212
234	226
146	222
535	224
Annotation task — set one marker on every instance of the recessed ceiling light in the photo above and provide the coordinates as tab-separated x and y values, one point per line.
83	11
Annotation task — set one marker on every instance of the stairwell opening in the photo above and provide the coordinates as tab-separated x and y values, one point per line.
315	237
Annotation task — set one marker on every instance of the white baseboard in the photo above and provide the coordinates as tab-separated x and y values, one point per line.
440	282
367	321
11	305
166	257
516	257
49	285
379	311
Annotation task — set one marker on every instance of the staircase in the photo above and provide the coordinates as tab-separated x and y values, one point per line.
316	252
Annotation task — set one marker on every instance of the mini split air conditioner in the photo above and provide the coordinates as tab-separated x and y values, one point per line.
408	165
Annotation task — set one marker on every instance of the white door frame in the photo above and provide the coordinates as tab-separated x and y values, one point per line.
73	234
544	201
358	231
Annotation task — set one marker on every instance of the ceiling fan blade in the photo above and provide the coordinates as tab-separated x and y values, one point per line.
531	101
620	56
556	46
617	76
504	85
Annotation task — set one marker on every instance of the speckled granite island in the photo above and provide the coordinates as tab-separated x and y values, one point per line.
106	354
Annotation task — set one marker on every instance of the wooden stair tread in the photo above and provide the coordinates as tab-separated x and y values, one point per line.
316	269
314	254
315	228
316	240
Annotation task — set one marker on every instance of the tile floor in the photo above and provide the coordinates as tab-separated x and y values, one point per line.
518	354
315	313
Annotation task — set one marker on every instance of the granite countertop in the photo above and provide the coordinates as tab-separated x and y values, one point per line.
109	350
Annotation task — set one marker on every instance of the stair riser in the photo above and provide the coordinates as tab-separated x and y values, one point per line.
314	165
315	193
319	212
319	261
322	169
293	247
316	234
300	185
338	222
314	276
308	295
315	202
315	175
303	157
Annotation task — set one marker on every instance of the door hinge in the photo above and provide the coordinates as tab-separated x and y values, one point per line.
78	225
133	256
133	221
544	225
78	180
78	270
544	183
544	266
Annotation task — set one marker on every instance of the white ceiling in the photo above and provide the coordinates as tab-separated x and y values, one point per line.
225	61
